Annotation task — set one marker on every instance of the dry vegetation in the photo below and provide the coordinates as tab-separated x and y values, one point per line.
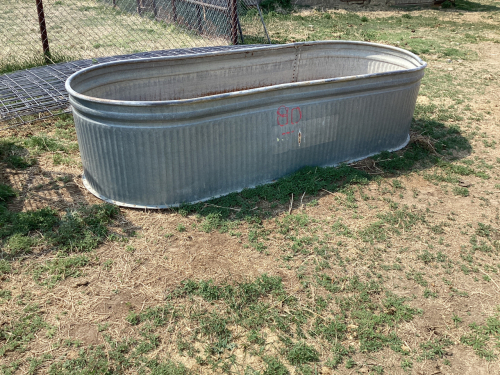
390	265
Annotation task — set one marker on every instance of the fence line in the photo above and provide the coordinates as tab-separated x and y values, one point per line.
34	33
51	31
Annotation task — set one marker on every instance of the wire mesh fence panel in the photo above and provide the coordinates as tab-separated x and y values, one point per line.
36	31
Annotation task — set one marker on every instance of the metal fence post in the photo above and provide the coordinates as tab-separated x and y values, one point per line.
200	21
233	21
155	9
43	30
174	10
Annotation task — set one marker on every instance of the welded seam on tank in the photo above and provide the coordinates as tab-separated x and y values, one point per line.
296	62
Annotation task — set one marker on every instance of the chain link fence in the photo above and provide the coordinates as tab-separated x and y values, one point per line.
78	33
33	32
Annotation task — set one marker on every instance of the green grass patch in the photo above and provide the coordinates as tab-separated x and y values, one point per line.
53	271
78	230
15	335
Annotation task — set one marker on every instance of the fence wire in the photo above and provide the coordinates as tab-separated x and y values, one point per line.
37	32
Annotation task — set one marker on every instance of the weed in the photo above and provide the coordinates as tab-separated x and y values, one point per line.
462	191
350	364
18	333
456	319
59	269
274	367
212	222
406	364
429	293
302	353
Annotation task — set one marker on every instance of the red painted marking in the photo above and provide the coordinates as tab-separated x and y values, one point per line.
282	115
300	115
287	132
283	118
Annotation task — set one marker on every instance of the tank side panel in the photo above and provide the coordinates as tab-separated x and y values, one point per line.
164	166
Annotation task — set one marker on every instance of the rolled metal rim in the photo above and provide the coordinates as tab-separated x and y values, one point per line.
80	96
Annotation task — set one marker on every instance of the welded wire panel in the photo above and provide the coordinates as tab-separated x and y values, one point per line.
39	93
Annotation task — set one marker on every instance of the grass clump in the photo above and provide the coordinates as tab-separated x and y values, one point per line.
461	191
4	267
244	205
85	228
480	337
6	193
274	367
78	230
16	334
59	269
302	353
15	156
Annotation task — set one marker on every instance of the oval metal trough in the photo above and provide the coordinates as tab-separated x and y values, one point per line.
164	131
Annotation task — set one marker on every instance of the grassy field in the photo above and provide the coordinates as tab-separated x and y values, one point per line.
387	266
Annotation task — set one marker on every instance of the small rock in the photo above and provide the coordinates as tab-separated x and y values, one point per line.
450	68
449	60
464	183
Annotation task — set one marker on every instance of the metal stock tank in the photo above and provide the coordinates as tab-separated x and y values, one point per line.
162	131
